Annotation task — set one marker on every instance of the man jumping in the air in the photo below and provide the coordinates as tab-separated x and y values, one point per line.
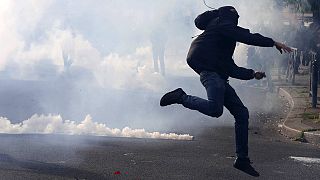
210	55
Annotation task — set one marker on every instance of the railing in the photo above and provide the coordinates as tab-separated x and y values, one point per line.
290	73
314	77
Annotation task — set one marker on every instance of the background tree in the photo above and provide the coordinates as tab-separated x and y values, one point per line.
305	6
315	8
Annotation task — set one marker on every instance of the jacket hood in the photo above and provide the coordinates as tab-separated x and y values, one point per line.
204	19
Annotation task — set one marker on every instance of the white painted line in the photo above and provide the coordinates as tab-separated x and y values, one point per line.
315	133
291	102
306	159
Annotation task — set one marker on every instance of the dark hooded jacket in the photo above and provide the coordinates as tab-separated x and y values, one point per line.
213	49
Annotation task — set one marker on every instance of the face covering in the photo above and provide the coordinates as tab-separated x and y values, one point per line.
228	14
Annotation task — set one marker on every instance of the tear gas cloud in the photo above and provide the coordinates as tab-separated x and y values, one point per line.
75	58
55	124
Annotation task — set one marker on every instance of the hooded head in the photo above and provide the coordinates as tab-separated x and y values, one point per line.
228	14
204	19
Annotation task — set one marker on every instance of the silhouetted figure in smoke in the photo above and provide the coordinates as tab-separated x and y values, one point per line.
315	39
267	61
251	56
315	43
253	62
158	40
67	61
210	55
309	38
301	44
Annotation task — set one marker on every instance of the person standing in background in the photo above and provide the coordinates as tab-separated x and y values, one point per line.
159	39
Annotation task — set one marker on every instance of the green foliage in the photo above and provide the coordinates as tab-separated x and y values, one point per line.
308	115
315	5
301	6
300	137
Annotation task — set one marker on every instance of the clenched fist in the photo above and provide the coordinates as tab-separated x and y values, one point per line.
259	75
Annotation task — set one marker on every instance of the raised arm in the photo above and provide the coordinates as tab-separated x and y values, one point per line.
245	36
242	35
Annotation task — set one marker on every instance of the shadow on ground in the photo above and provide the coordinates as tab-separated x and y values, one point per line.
12	164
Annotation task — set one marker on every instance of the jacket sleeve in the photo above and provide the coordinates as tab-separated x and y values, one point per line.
244	36
237	72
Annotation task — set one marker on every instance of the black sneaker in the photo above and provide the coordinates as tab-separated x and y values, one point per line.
172	97
244	164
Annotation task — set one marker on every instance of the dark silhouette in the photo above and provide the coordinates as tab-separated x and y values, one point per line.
67	61
210	55
158	39
38	167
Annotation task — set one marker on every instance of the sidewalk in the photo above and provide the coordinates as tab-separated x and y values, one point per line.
303	121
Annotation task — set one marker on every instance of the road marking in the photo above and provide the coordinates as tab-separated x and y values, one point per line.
306	159
56	162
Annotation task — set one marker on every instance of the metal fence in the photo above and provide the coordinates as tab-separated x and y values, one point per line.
295	59
314	77
291	68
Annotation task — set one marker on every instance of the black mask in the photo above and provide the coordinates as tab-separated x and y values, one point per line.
228	14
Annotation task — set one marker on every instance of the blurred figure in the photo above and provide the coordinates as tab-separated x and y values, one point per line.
283	61
300	44
158	39
309	41
253	62
267	62
315	38
304	37
67	61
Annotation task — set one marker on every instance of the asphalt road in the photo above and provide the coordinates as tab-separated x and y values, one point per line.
209	156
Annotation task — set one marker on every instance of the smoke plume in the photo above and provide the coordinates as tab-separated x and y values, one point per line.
54	124
95	57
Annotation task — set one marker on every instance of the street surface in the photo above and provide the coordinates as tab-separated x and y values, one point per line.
209	156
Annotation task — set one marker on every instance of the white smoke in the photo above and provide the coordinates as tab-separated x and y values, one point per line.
35	31
94	32
54	124
108	45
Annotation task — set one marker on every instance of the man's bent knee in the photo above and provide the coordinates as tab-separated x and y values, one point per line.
215	111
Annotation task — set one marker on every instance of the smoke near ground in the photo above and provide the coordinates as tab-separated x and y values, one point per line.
54	124
95	57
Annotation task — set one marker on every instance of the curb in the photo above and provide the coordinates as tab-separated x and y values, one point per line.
300	130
